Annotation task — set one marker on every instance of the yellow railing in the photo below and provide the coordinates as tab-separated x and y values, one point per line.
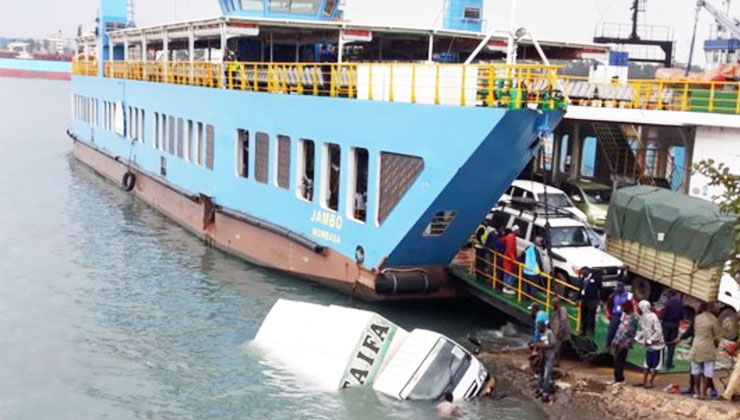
85	68
542	290
512	86
494	85
669	95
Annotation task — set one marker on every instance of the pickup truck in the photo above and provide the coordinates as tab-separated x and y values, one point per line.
337	347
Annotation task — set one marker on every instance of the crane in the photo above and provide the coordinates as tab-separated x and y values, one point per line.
731	24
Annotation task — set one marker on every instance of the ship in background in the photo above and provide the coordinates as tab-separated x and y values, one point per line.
357	156
21	58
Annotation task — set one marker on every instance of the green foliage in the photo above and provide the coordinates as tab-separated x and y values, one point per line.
729	201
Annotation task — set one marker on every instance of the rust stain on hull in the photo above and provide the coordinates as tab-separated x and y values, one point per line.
251	243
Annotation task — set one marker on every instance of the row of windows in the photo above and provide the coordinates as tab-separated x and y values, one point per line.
186	139
331	167
194	142
85	109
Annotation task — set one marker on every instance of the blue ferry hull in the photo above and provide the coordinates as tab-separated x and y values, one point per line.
470	155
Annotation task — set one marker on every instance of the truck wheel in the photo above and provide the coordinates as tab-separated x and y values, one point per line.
728	322
641	288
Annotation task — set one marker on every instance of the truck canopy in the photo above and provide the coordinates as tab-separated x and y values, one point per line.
672	222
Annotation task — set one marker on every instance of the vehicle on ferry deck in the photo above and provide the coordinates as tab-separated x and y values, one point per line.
591	198
570	245
556	198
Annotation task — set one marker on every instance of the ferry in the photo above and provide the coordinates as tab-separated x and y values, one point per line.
357	156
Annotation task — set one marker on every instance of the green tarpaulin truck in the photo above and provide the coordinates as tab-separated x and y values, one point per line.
668	239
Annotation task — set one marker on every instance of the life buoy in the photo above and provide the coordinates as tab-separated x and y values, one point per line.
128	181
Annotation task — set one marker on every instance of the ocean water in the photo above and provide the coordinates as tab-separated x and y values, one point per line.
108	310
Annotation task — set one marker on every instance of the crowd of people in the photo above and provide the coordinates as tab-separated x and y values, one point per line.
629	322
633	324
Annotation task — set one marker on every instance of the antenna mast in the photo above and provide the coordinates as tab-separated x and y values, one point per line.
131	16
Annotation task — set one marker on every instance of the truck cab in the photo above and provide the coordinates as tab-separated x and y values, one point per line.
338	347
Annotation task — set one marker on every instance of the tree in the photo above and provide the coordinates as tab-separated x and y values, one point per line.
728	202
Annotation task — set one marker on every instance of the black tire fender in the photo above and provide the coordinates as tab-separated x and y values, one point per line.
128	181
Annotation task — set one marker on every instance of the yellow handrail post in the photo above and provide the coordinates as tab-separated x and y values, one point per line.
229	77
496	257
685	97
413	83
436	87
351	75
462	87
489	99
242	77
332	81
548	294
519	279
711	96
255	76
636	95
315	81
299	85
737	98
370	83
660	96
286	87
390	88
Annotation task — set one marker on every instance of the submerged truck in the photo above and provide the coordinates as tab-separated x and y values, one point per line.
670	240
337	347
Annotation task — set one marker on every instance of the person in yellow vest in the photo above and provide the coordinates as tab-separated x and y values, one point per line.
481	255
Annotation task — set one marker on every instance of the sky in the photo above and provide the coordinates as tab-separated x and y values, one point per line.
571	20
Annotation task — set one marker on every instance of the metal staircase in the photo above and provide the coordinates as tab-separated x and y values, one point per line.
625	152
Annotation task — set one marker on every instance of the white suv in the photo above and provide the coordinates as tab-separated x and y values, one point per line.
570	245
556	199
